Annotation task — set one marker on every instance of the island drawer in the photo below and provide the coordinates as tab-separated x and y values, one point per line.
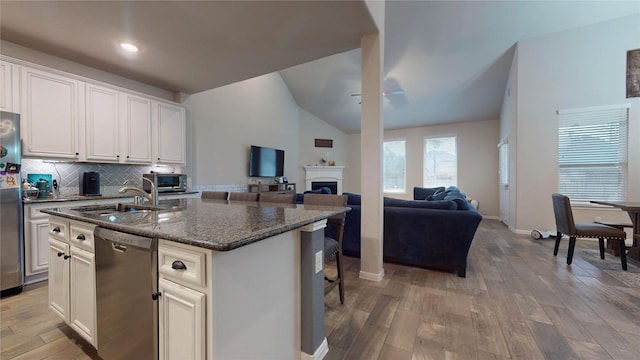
58	229
81	235
181	263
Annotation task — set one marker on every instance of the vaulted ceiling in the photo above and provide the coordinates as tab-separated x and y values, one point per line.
445	61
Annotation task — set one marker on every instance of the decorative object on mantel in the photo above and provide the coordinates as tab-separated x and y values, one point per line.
633	73
332	163
324	143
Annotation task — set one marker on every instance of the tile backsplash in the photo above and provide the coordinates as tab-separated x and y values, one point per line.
111	175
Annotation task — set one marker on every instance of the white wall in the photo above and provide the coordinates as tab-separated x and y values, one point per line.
312	128
477	160
226	121
571	69
353	172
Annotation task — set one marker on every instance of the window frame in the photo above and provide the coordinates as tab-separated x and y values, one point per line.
424	158
585	123
402	190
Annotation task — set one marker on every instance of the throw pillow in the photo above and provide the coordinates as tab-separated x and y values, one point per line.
459	199
440	195
420	193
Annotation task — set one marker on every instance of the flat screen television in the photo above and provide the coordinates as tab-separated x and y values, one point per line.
265	162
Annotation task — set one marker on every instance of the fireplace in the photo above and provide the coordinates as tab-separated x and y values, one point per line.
333	185
321	176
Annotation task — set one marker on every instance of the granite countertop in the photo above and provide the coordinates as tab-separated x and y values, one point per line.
65	198
213	224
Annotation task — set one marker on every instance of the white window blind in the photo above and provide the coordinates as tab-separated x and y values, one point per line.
592	153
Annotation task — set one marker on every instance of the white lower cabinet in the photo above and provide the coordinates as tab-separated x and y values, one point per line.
59	278
182	314
36	249
181	321
72	268
82	284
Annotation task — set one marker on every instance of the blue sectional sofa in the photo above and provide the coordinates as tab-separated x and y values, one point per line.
435	231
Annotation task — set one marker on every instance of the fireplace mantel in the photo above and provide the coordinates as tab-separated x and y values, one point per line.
323	173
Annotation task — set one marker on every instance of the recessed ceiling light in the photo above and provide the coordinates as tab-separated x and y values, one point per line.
129	47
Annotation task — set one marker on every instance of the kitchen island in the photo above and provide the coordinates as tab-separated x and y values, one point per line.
251	287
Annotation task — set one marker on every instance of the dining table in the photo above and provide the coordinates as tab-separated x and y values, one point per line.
633	209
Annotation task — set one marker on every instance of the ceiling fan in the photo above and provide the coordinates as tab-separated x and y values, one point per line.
385	94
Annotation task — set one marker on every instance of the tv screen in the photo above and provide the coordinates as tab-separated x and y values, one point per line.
266	162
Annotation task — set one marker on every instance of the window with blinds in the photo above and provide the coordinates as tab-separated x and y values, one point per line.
592	153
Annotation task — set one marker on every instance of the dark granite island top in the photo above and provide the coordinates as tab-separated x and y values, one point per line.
212	224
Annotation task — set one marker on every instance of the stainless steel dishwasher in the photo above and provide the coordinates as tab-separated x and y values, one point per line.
126	292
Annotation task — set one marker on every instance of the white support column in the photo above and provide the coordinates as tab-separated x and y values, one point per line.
372	134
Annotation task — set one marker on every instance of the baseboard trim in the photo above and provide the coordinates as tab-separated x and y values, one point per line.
491	217
371	276
319	354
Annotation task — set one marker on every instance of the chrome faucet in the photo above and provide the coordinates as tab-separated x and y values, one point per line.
151	197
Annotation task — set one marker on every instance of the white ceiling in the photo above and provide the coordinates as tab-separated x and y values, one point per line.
450	58
187	46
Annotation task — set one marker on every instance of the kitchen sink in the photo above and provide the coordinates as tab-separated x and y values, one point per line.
97	210
128	212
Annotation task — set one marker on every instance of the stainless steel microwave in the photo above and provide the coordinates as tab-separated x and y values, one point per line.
166	182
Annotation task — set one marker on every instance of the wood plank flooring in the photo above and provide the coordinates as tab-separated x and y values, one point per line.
517	302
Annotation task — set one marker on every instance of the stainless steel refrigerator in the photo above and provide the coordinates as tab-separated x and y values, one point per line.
11	243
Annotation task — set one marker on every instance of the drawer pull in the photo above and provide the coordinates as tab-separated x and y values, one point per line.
56	229
80	237
178	265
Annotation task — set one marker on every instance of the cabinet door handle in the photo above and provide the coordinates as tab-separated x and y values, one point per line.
67	256
178	265
60	253
156	295
80	237
56	229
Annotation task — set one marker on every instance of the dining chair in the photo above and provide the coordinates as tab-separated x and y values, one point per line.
332	247
277	198
243	196
215	195
567	226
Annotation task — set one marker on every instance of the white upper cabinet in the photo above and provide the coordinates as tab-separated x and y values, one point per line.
64	116
135	120
101	123
49	114
8	80
170	126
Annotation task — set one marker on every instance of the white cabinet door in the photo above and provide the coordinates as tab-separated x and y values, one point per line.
59	278
170	133
36	246
101	123
82	311
136	129
7	97
181	321
49	114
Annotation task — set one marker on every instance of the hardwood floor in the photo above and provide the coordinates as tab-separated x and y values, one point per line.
517	302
